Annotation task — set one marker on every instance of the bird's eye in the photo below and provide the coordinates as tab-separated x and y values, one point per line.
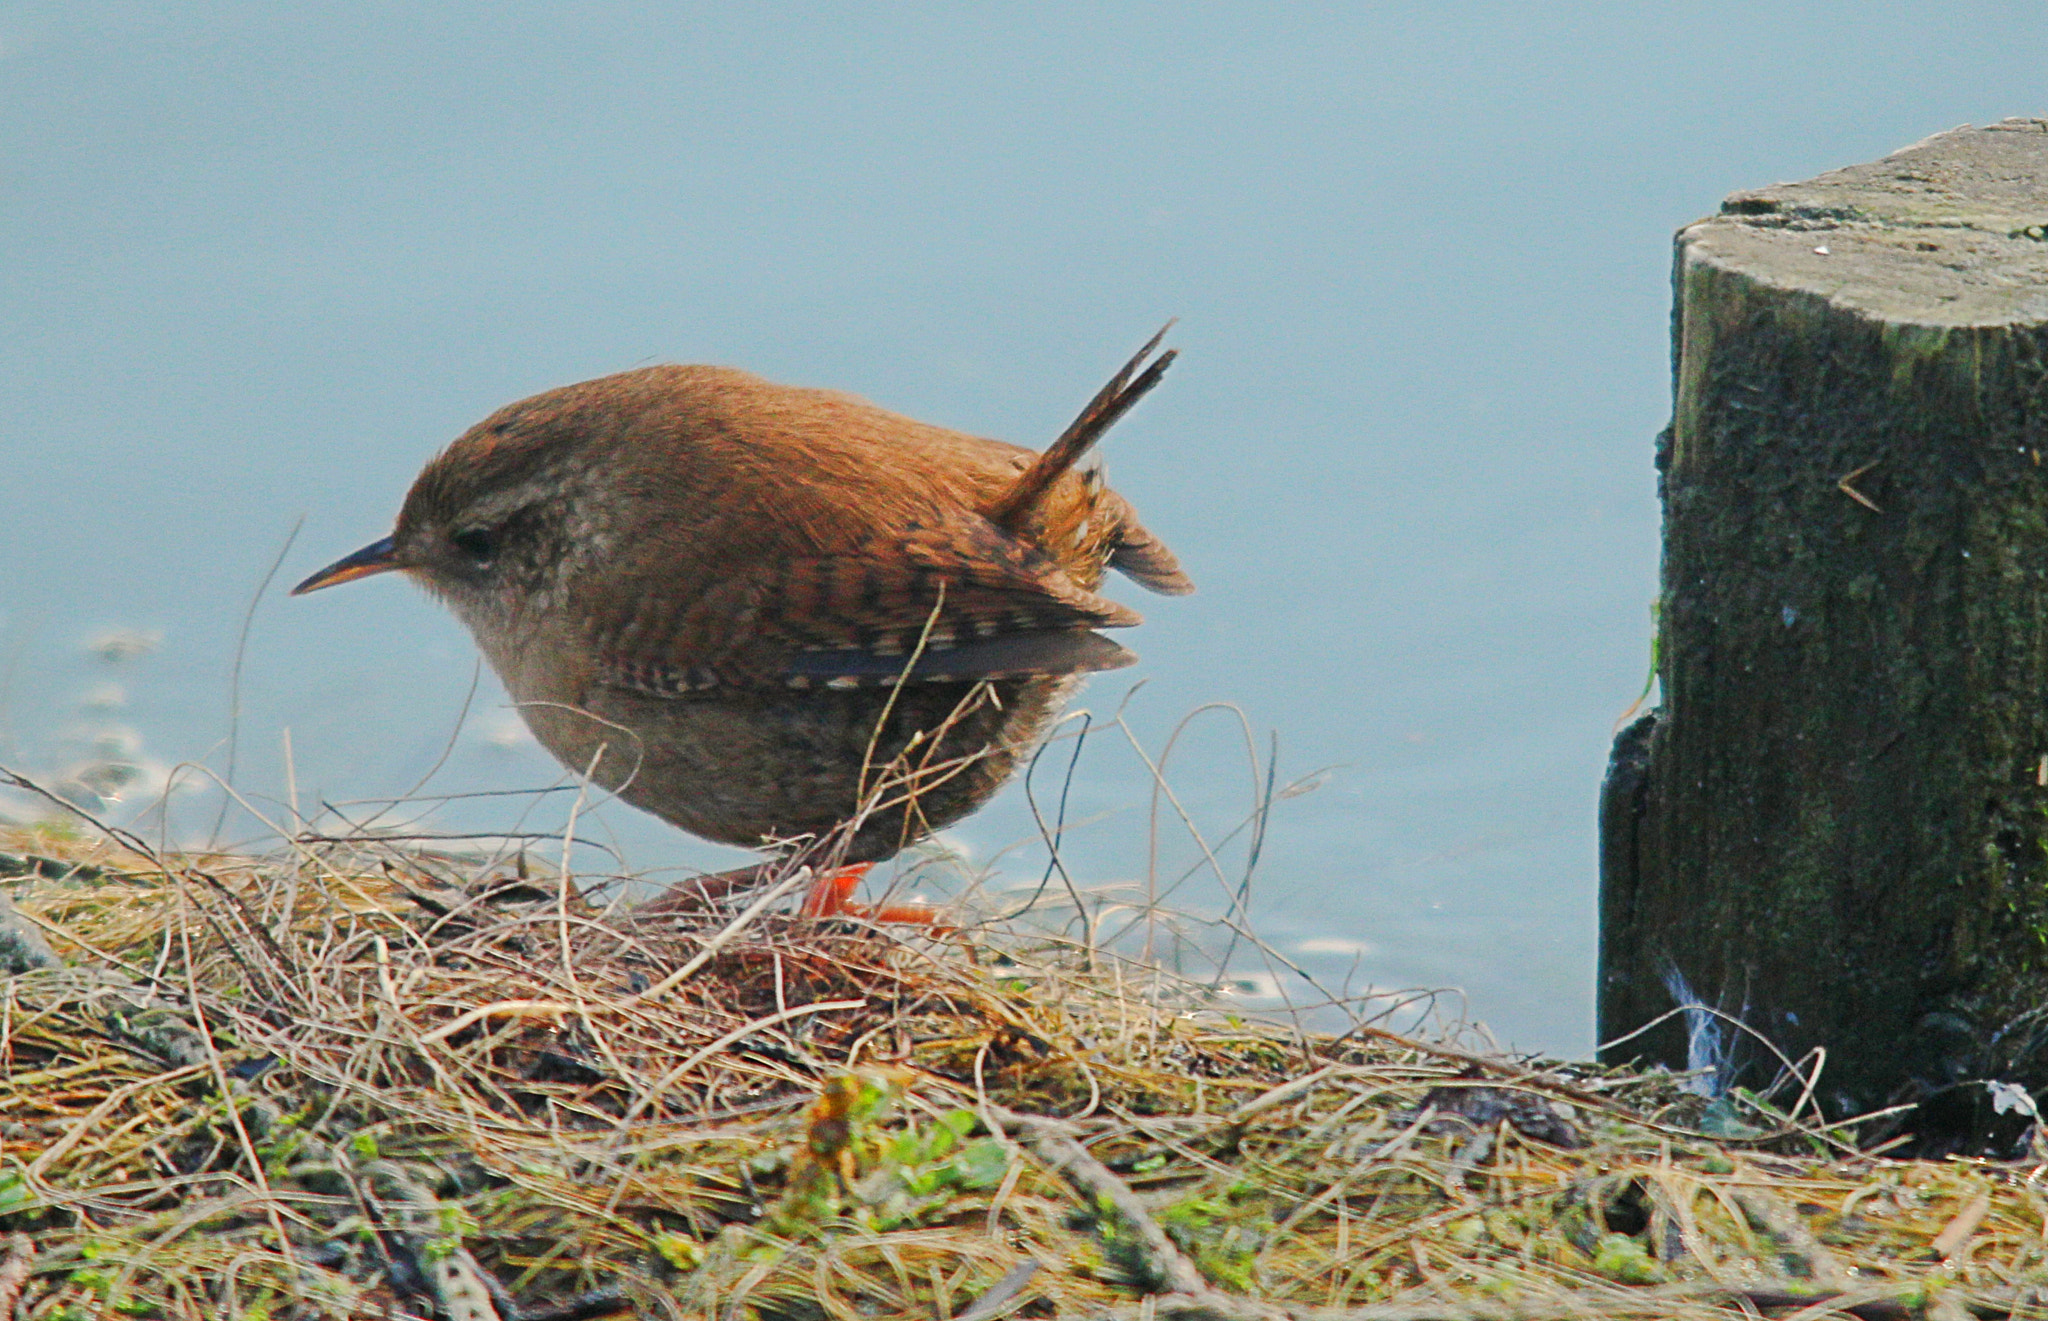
479	544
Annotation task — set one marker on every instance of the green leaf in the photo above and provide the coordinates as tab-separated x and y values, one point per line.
679	1250
14	1194
981	1164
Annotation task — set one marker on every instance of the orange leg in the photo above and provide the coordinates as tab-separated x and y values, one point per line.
831	895
831	890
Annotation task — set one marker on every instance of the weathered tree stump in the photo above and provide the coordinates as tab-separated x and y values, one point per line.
1836	825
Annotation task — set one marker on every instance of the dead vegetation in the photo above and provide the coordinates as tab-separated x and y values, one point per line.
356	1080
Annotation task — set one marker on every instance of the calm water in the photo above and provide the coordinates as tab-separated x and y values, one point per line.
262	261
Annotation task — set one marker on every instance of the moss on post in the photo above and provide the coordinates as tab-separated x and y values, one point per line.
1834	826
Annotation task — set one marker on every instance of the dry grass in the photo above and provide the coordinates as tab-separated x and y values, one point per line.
352	1080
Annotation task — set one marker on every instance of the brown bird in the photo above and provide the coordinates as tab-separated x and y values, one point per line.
762	612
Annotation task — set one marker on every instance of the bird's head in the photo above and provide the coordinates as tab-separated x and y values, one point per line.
501	523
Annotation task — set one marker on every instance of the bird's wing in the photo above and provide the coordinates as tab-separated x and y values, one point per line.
957	602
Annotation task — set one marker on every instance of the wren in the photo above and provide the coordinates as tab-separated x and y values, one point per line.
763	612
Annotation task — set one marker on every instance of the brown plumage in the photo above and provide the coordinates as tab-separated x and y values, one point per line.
745	605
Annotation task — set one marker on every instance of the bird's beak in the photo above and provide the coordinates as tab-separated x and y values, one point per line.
377	557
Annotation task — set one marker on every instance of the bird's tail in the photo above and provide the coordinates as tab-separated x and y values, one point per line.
1125	388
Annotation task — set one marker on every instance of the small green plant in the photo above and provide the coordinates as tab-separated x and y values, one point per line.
923	1167
1620	1257
1221	1232
893	1179
679	1250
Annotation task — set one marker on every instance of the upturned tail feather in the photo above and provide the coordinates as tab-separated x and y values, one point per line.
1126	388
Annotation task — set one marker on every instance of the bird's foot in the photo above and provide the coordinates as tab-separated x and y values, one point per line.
831	896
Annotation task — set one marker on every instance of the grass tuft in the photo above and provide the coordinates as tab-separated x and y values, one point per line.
359	1080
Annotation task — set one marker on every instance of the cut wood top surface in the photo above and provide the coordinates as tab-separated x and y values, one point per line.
1952	231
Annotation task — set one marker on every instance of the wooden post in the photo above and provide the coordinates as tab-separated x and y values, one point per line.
1836	825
